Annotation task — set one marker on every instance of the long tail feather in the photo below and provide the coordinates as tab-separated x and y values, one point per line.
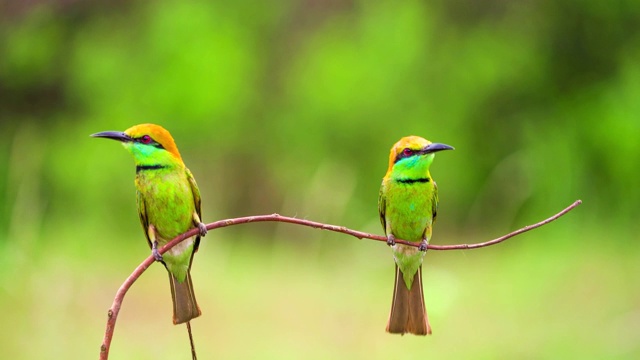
408	313
185	306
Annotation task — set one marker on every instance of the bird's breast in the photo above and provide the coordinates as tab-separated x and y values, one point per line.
409	210
168	202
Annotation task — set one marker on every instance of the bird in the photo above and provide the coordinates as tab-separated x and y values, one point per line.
168	201
408	204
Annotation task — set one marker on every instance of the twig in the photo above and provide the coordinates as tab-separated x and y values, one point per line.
193	348
112	314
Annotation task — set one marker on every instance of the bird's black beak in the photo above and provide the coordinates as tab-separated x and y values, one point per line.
115	135
435	147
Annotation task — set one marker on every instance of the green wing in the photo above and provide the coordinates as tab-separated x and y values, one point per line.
142	213
434	203
195	191
196	201
382	208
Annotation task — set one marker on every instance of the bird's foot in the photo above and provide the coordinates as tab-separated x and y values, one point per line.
203	229
391	240
423	245
155	253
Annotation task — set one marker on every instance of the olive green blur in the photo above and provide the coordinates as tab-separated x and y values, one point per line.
291	107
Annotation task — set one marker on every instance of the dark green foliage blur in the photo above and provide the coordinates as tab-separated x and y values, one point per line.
291	107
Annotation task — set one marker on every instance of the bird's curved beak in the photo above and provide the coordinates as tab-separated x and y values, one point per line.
115	135
435	147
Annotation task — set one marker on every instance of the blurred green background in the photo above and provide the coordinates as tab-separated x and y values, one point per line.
291	107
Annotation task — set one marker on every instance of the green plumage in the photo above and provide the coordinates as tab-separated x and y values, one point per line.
167	198
408	203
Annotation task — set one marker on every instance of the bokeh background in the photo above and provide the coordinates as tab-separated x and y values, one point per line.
291	107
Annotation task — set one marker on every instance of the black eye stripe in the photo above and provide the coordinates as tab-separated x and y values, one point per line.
151	142
401	155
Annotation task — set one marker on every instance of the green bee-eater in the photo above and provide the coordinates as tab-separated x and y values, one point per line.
168	204
408	203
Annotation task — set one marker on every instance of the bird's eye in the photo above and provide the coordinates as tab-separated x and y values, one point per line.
407	152
145	139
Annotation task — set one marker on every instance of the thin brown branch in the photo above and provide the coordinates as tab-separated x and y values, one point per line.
194	356
509	235
112	314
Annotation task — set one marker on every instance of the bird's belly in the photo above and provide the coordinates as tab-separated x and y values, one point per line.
408	259
409	217
410	221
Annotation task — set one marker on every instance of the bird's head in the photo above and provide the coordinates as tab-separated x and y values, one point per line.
148	143
413	154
